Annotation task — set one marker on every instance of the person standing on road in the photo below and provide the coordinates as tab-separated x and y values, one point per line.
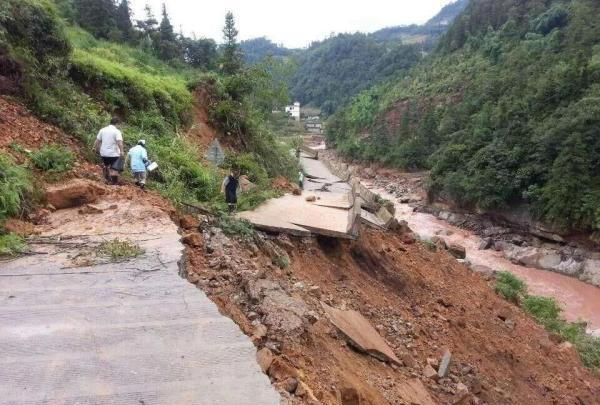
230	188
109	144
139	159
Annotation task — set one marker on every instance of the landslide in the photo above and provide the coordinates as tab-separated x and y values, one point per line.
420	301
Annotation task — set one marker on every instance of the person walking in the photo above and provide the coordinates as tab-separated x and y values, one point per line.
138	156
230	188
109	144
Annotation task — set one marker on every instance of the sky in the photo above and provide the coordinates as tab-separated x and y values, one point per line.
295	24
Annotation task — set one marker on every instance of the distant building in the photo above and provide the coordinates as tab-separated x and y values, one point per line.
293	111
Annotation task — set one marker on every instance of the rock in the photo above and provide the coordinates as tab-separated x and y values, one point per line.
192	239
462	394
188	222
439	243
591	272
290	385
348	396
282	312
304	391
297	191
565	347
457	251
73	193
311	198
264	358
408	360
252	316
433	362
510	324
260	331
280	370
444	364
414	392
487	272
430	373
89	209
486	244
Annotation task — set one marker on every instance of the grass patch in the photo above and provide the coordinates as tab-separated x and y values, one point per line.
11	244
118	250
53	159
547	312
15	185
283	262
232	226
510	287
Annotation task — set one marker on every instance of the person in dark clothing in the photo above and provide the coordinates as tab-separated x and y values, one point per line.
230	188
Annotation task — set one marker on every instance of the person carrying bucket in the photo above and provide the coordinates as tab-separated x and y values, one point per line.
139	163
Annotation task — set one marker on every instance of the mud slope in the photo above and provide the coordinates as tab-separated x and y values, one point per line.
421	302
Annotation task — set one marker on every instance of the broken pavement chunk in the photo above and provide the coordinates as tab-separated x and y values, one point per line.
361	333
444	364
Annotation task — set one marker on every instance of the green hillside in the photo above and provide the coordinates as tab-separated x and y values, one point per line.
506	112
146	76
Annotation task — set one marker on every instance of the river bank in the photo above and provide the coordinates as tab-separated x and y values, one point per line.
565	271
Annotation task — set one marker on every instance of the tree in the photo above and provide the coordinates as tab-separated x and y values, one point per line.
123	20
200	53
148	25
96	16
167	46
231	60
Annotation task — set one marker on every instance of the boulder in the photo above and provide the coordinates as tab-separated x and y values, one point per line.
188	222
280	370
439	243
591	272
73	193
430	373
486	244
192	239
457	251
264	358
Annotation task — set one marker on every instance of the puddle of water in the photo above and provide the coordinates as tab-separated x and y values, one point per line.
580	301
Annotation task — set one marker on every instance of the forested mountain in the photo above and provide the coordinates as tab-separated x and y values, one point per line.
257	49
507	112
331	71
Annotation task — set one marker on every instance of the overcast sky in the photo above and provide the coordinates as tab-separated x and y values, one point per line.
291	23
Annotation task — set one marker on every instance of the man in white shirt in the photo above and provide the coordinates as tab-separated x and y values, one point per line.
109	144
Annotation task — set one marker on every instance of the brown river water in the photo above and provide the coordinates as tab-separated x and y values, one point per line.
579	300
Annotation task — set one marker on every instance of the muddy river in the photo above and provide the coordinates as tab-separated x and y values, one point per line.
579	300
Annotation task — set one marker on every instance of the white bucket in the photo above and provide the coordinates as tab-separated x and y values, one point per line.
152	166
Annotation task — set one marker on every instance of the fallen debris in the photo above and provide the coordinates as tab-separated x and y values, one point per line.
361	334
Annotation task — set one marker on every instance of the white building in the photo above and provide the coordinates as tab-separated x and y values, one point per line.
293	110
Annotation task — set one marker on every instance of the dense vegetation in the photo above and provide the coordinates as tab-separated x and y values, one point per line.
331	71
78	78
547	312
506	112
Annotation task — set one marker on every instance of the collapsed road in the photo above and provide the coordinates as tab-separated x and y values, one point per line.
77	328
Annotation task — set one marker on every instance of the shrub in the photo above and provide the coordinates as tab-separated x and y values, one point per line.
119	250
15	185
283	262
249	166
510	287
53	158
11	244
232	226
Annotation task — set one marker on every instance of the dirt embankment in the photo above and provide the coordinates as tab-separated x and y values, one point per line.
422	303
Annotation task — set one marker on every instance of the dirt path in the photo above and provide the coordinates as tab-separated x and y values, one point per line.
78	329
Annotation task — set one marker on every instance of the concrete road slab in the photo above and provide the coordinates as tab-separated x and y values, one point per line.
118	333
